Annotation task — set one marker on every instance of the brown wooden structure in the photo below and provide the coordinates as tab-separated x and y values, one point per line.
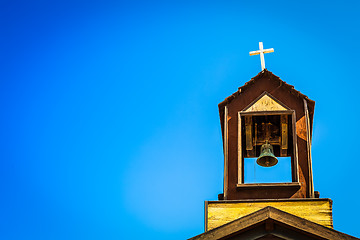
267	107
268	111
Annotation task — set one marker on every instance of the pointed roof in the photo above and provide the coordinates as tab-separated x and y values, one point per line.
264	73
268	75
272	223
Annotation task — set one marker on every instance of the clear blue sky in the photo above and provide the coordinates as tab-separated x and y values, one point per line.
109	118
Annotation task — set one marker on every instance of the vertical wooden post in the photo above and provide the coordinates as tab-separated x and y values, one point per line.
284	135
206	215
225	152
295	150
308	144
248	133
240	172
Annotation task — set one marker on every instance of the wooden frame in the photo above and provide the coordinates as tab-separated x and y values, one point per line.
269	185
240	161
294	162
206	215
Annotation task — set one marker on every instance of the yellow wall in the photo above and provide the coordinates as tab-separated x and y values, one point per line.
218	213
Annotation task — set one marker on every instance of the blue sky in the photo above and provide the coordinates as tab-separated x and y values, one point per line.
109	118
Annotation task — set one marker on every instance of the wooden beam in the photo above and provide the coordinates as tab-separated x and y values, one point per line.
295	162
284	135
263	113
248	132
308	144
240	161
269	225
226	152
269	185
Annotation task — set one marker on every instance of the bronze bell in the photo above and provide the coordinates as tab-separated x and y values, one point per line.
267	157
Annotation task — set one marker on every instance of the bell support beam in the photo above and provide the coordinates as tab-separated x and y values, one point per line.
249	136
284	135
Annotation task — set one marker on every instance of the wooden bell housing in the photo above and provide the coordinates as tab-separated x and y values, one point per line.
266	109
274	127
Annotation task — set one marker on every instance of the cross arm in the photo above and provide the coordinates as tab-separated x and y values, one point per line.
254	53
270	50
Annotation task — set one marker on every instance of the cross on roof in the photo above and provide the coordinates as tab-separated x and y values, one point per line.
261	51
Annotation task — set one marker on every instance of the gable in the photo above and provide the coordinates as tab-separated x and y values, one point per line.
265	102
266	81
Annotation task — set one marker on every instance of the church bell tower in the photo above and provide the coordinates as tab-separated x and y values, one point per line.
267	124
267	119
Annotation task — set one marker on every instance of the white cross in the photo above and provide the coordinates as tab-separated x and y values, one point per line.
261	51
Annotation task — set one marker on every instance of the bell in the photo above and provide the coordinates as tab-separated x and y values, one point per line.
267	157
